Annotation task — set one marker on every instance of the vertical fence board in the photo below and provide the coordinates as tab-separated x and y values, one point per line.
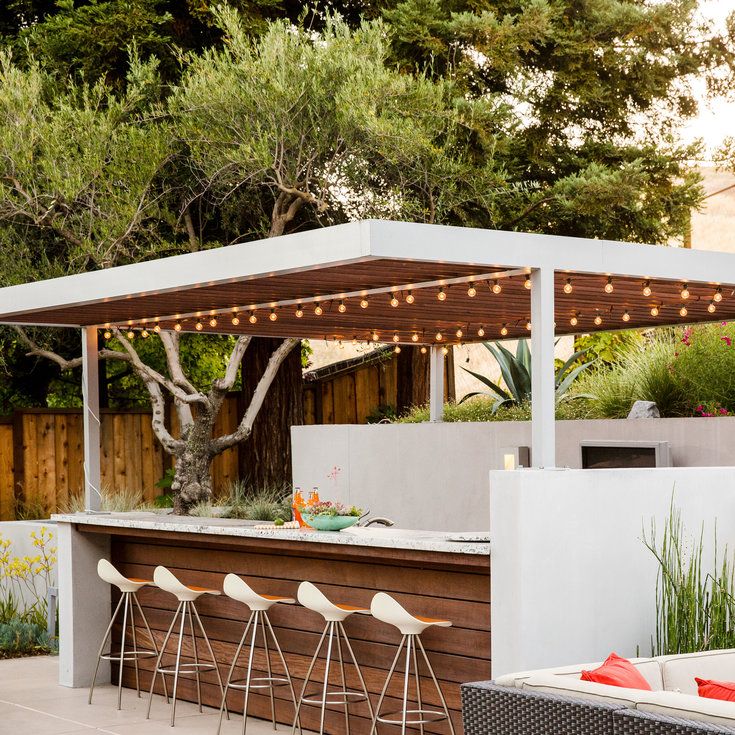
61	459
344	399
30	458
7	473
150	471
107	479
75	449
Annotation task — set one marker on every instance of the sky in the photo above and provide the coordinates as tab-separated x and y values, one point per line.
716	118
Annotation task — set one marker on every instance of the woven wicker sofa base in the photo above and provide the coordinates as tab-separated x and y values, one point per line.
489	709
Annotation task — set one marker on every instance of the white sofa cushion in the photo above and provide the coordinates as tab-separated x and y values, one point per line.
688	707
569	686
678	671
649	668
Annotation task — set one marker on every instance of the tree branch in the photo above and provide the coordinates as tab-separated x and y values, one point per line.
171	342
246	425
222	385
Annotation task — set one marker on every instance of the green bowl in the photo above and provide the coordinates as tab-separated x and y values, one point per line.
329	523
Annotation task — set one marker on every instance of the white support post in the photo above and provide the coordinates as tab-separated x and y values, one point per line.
91	394
543	392
436	384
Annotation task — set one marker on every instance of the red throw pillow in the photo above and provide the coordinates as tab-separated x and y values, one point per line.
716	689
617	672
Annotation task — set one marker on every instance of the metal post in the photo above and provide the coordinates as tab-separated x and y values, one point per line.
90	391
436	384
543	393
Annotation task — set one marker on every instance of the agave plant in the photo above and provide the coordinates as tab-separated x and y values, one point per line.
516	373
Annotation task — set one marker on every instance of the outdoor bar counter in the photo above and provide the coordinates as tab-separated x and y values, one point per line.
426	571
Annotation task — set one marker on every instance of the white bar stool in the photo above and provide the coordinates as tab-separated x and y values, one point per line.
334	614
128	586
239	590
186	595
385	608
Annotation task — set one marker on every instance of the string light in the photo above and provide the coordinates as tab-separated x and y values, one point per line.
410	297
394	301
445	351
609	288
157	328
459	333
213	321
375	336
685	292
341	308
144	334
177	327
396	338
414	337
504	330
527	283
528	326
441	294
364	304
299	311
568	288
397	349
354	339
273	316
252	318
574	320
439	336
107	334
654	311
711	308
235	319
423	350
626	316
496	288
131	334
598	320
472	291
318	310
718	295
198	326
683	311
481	332
646	288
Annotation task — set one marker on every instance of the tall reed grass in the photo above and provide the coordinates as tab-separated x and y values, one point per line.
695	601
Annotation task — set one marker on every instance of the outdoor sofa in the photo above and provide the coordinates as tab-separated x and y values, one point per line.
557	702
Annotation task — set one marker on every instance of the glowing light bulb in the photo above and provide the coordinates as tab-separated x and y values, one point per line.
609	288
685	291
472	291
354	340
273	316
107	335
445	351
299	311
375	336
341	308
504	330
527	283
654	311
528	326
396	338
252	318
496	288
574	321
646	288
394	301
131	334
718	295
364	304
711	308
157	328
598	320
177	326
568	288
144	334
459	333
683	311
318	310
626	316
414	337
441	294
213	322
410	297
480	332
423	350
235	319
439	336
198	326
397	350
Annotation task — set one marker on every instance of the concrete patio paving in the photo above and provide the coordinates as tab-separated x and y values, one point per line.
33	703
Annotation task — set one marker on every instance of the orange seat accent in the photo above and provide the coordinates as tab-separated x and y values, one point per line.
351	608
431	620
139	581
205	590
277	598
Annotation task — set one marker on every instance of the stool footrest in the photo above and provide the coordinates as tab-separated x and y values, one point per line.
187	668
425	716
129	655
255	682
347	697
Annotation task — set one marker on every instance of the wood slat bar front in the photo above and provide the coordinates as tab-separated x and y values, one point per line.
431	583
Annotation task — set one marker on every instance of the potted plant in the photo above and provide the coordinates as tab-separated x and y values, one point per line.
328	516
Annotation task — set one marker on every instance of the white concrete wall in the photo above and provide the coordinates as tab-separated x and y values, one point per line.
571	580
434	476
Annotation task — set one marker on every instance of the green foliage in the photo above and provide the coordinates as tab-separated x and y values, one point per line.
114	501
265	504
168	477
695	602
607	347
516	373
18	638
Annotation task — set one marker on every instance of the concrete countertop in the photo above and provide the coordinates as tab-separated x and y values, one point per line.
371	536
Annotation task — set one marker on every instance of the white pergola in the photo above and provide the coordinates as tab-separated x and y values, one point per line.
395	282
